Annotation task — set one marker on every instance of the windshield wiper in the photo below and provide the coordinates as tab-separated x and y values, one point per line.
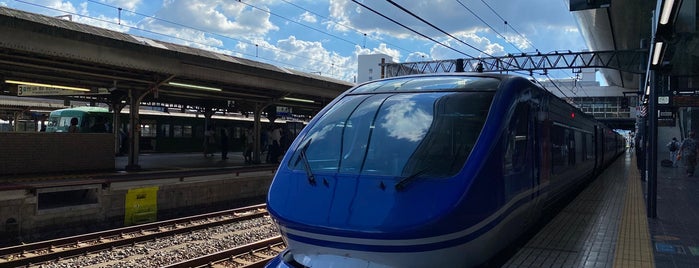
306	164
400	185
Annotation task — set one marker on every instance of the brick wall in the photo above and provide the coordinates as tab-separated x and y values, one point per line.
41	152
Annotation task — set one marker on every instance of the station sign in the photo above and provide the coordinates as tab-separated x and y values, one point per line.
283	110
30	90
685	98
666	117
27	90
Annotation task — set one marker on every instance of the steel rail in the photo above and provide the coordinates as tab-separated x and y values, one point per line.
70	246
227	254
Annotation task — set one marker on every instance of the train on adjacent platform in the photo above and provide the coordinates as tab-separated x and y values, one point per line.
163	131
440	170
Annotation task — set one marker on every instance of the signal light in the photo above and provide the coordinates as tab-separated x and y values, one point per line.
572	115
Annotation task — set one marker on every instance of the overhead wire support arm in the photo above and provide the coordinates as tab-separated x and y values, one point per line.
632	61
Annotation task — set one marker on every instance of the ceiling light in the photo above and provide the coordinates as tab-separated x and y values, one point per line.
193	86
657	53
46	85
298	100
667	10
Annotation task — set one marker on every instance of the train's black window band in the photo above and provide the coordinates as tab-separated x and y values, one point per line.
435	83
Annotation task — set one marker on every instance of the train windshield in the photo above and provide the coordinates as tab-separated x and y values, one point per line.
430	133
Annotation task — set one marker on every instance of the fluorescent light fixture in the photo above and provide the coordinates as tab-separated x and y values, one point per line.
298	100
657	52
193	86
46	85
667	10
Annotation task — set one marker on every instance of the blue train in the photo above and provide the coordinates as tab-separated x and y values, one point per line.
439	170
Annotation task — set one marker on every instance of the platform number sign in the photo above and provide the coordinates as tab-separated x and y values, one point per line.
141	206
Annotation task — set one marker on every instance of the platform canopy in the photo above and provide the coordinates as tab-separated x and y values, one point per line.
52	51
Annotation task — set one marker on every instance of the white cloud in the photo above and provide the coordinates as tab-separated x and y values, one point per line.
311	56
220	17
66	6
308	17
381	49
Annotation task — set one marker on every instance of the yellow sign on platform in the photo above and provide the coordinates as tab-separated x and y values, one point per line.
141	206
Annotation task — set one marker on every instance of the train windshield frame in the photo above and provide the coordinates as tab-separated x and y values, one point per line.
430	134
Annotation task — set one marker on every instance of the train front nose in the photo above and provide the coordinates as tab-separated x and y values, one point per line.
378	166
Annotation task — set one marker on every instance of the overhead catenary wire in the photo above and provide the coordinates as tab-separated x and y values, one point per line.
346	26
411	29
509	24
435	27
491	27
556	86
298	23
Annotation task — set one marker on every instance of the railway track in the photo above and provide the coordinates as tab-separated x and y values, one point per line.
249	256
57	249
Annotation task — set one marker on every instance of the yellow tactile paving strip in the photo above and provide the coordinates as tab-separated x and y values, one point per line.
604	226
633	248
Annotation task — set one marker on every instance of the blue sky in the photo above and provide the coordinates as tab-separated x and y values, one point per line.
326	36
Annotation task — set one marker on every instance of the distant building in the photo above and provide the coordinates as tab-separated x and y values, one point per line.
587	94
369	67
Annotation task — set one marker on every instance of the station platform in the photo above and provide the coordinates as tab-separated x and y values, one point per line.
43	206
148	162
606	225
179	161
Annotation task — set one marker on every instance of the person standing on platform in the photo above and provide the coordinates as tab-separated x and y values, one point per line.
674	147
688	152
268	144
224	143
641	156
209	142
275	150
249	142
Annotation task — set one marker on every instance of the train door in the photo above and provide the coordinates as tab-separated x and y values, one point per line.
599	149
519	159
537	144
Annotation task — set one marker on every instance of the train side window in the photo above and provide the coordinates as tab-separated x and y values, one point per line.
148	130
187	131
177	131
579	147
590	152
65	121
559	149
515	154
570	141
165	130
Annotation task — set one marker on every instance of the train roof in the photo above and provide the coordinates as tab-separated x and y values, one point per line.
84	109
89	109
445	82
